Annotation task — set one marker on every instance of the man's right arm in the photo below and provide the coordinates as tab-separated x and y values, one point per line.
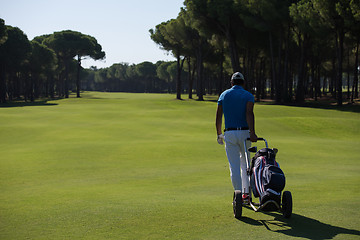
250	119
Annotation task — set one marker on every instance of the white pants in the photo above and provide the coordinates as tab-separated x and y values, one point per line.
235	152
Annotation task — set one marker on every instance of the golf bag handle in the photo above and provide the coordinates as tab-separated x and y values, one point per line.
260	139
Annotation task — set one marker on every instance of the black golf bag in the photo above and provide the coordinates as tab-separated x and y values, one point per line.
267	180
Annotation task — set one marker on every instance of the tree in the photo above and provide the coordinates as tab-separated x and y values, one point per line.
3	38
88	46
172	70
162	73
169	35
301	14
195	45
272	17
13	54
42	60
333	13
220	17
69	44
354	25
3	34
147	71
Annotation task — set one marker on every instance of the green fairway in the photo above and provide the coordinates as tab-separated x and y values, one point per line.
146	166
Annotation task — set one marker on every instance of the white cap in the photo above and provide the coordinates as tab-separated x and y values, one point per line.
237	75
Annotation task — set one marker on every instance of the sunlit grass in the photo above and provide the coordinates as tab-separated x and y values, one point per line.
146	166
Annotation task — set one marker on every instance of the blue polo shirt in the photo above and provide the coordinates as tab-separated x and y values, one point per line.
234	102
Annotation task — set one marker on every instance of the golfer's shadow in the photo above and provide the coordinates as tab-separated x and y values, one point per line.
301	226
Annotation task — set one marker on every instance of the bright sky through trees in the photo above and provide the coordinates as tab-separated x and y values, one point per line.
120	26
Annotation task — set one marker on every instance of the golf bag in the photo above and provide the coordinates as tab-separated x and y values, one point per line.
267	180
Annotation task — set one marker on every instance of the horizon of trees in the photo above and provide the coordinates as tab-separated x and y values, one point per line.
287	50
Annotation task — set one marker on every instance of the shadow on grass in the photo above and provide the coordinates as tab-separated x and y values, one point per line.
301	226
321	105
325	103
27	104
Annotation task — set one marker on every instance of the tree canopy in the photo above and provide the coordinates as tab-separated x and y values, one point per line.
44	65
287	50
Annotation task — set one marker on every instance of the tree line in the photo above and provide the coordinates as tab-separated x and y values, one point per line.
47	66
145	77
288	50
294	49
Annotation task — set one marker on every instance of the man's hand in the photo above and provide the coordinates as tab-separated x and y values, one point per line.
220	139
253	137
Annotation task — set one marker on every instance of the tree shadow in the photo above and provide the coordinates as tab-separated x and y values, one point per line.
324	104
26	104
321	105
301	226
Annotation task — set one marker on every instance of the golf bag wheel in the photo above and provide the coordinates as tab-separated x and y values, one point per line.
237	204
286	204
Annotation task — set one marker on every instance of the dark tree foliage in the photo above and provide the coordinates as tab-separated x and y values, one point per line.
14	53
44	67
288	50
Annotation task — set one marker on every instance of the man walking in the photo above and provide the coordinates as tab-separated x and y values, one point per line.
237	106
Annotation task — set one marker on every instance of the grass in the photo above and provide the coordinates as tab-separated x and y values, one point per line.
145	166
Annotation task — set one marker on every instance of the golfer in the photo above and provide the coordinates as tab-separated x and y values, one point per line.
237	105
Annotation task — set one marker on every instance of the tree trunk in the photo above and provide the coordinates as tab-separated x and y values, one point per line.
66	86
31	87
190	78
313	81
333	78
354	93
259	81
251	73
340	61
78	77
234	56
178	75
278	82
273	71
263	78
317	86
348	74
2	84
17	88
221	74
193	75
66	83
300	91
285	91
291	83
200	68
10	86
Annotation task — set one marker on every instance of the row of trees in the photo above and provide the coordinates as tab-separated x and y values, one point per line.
48	65
287	49
123	77
297	48
143	77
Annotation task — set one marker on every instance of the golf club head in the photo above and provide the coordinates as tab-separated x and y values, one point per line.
275	150
253	149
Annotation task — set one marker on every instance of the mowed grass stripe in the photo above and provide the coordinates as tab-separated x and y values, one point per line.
145	166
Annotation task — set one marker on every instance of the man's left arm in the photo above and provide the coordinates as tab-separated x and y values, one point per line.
218	124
